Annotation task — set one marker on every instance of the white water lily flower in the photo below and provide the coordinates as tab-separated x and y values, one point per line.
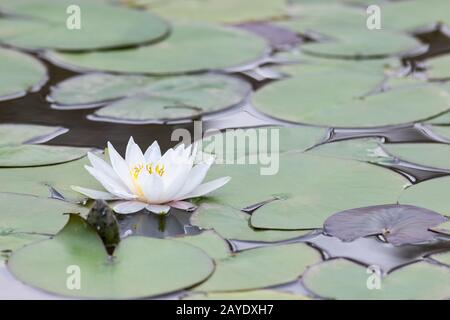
151	181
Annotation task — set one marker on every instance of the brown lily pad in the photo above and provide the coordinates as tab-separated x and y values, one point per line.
397	224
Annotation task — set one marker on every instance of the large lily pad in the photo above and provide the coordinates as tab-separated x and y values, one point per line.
399	14
434	155
178	97
20	73
363	149
345	102
140	267
232	145
302	185
398	224
16	134
210	242
190	47
235	224
25	218
246	295
42	24
37	155
260	268
439	68
431	194
38	180
443	257
342	279
218	11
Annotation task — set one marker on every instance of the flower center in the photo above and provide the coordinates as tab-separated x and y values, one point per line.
137	168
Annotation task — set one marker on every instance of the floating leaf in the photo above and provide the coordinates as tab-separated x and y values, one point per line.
20	73
246	295
311	187
140	267
345	102
442	228
432	155
439	67
24	218
442	257
218	11
431	194
364	149
37	180
178	97
342	279
15	134
232	145
41	24
234	224
260	268
95	88
210	242
37	155
190	47
398	224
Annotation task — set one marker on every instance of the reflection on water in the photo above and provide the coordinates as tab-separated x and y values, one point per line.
175	223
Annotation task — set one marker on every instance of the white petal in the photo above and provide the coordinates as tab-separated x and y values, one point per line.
182	205
109	184
120	167
152	186
194	179
133	154
153	153
206	188
129	207
156	208
101	165
94	194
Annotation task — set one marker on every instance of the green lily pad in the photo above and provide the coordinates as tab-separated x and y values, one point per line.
346	34
45	24
37	155
235	224
178	97
260	268
363	149
210	242
434	155
20	73
16	134
238	143
140	266
190	47
439	68
37	180
94	88
246	295
345	102
342	279
399	14
302	185
442	228
441	131
442	257
218	11
430	194
25	219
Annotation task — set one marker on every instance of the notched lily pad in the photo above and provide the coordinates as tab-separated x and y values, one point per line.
342	279
140	267
260	268
210	242
46	24
20	74
397	224
189	48
443	228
